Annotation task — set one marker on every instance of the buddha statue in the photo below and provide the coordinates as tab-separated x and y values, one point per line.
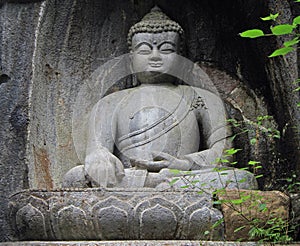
137	135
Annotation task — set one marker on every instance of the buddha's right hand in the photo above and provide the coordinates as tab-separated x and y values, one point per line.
151	166
103	169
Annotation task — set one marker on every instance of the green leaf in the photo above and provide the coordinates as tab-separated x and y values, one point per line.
253	141
243	180
262	207
174	171
221	169
259	176
297	1
297	81
232	151
297	89
219	191
244	168
184	186
291	42
223	174
173	181
253	33
240	228
282	29
232	138
253	162
237	201
296	20
217	202
217	223
270	17
281	51
195	182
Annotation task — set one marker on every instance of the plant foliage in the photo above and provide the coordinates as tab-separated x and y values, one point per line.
277	30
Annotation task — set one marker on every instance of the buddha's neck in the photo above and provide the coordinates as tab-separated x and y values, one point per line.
158	84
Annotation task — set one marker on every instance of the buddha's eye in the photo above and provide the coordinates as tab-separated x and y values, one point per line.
143	49
167	48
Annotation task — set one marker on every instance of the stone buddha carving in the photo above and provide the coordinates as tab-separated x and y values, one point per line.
136	136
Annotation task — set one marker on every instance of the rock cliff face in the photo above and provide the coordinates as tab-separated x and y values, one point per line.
49	48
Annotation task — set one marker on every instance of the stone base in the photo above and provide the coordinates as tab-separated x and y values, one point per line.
132	243
113	214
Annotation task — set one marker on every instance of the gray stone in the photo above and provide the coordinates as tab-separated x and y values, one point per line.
134	243
113	214
75	177
242	215
17	38
157	125
209	180
295	215
75	37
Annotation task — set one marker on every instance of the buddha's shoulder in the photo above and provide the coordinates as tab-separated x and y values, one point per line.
114	97
198	91
118	94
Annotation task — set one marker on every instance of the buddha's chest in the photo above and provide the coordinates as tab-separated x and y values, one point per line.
157	119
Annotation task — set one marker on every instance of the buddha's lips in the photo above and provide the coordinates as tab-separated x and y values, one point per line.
155	64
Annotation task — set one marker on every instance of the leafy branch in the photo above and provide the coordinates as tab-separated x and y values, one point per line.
277	30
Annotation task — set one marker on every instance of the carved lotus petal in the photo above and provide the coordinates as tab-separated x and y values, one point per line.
31	223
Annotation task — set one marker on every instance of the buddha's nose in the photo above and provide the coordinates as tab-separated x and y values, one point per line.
155	56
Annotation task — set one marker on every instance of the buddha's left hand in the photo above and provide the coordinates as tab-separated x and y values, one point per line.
173	162
163	160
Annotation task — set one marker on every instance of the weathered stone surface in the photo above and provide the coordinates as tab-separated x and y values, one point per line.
210	180
61	41
133	243
295	215
245	105
67	53
262	205
75	178
75	37
282	73
158	124
17	40
97	214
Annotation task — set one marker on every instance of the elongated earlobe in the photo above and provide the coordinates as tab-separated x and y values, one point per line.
133	76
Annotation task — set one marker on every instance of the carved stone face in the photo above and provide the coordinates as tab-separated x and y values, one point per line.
154	56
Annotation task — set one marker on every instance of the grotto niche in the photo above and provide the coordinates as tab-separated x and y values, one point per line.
56	49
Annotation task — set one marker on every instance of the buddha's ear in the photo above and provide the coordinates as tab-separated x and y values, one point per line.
133	76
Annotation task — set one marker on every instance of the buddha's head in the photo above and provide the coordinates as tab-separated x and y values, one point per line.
155	42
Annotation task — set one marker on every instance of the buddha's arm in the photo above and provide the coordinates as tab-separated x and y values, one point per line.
101	166
100	129
213	120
